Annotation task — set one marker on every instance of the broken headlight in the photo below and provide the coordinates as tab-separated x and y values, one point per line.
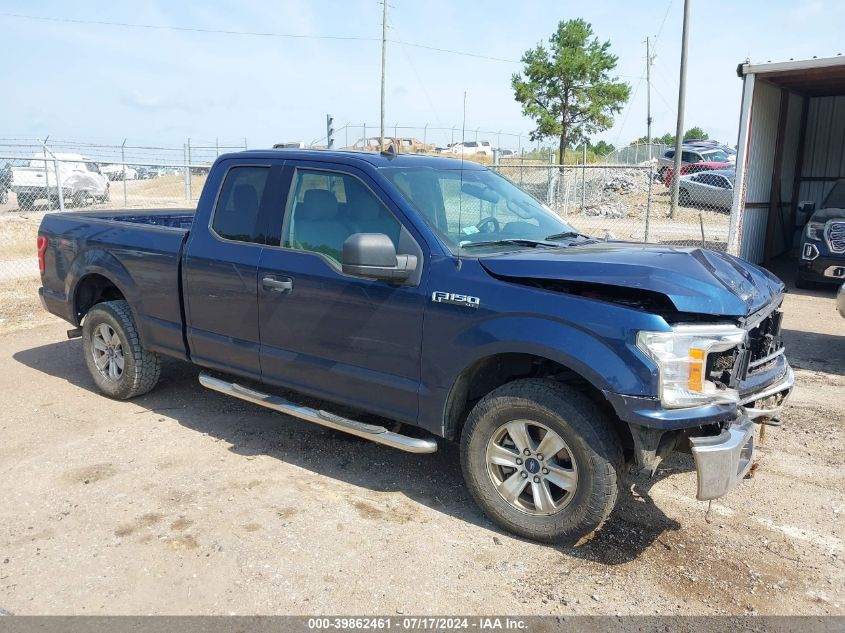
681	359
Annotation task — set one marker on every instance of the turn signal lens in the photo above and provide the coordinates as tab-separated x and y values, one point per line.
696	369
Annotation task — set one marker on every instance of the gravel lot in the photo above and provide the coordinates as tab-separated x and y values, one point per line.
186	502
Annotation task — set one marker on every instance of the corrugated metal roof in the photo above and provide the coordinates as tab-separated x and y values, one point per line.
814	77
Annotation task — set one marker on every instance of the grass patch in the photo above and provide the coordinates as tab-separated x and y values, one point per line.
17	235
20	306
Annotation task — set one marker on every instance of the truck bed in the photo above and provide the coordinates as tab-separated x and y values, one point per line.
139	250
171	218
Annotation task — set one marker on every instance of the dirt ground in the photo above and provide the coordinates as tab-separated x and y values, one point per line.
186	502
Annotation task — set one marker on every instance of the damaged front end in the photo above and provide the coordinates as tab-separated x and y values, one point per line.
757	371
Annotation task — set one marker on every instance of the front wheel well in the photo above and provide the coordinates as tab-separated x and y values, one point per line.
91	290
489	373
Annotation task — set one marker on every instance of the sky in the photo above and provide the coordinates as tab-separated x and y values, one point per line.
104	83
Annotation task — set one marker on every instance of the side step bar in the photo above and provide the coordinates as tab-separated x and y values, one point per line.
371	432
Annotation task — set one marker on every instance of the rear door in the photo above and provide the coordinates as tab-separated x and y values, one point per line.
221	263
335	336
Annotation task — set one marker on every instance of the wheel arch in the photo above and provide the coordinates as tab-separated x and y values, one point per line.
492	371
95	269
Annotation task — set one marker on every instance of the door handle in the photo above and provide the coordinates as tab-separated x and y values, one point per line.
284	285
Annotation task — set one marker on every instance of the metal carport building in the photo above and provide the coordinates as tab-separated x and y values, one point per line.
791	148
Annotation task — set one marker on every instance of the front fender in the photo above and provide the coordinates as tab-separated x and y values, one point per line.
607	363
607	359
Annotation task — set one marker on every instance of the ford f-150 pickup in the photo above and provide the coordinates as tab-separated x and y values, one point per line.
441	303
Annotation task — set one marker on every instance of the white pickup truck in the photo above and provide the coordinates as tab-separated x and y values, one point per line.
80	179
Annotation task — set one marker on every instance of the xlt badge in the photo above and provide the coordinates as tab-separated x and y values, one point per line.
438	296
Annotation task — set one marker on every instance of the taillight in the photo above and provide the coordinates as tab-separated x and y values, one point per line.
42	248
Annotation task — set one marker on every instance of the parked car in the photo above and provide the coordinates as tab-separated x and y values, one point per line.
410	145
507	153
79	178
692	168
730	152
144	172
711	189
5	182
692	154
372	144
120	172
553	359
471	147
823	239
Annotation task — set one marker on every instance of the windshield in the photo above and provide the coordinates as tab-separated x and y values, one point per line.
715	156
480	207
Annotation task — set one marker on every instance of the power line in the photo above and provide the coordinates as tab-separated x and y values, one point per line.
166	27
663	23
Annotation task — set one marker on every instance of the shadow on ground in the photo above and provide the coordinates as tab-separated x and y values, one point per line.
432	480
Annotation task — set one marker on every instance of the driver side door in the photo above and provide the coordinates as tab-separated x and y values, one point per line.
327	333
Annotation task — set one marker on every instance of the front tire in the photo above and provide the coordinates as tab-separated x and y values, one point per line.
541	460
120	366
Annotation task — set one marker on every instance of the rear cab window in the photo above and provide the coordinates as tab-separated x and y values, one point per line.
236	214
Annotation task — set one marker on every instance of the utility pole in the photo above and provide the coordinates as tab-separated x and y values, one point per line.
679	128
383	62
649	60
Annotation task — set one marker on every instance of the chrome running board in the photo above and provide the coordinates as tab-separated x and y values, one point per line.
377	434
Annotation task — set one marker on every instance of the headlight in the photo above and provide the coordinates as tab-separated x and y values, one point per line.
681	359
815	230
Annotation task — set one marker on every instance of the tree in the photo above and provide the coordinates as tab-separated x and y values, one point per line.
695	134
567	88
602	148
666	139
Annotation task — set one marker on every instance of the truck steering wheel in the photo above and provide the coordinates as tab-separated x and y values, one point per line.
488	220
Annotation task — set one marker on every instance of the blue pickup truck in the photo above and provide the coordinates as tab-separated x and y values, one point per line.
441	303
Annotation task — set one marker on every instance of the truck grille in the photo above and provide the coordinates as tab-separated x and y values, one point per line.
836	237
765	343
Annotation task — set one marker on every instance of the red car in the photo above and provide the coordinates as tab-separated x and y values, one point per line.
693	168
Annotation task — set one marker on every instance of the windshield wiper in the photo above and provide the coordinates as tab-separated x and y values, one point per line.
566	235
512	241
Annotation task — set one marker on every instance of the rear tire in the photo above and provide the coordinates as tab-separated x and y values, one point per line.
559	497
119	364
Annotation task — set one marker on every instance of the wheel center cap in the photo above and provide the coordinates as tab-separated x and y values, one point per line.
532	465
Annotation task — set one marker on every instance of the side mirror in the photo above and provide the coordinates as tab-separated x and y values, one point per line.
803	213
373	255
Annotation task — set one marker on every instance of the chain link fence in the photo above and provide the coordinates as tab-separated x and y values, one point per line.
37	177
632	202
613	201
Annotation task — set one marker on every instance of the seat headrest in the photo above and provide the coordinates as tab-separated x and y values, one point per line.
245	199
318	204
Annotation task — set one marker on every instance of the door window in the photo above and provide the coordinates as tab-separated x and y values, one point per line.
236	213
328	207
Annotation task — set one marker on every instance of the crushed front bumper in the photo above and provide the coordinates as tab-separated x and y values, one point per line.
721	461
769	401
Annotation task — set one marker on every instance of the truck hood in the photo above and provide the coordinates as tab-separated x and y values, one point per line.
695	280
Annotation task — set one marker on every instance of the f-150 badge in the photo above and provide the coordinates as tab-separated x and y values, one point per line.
438	296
